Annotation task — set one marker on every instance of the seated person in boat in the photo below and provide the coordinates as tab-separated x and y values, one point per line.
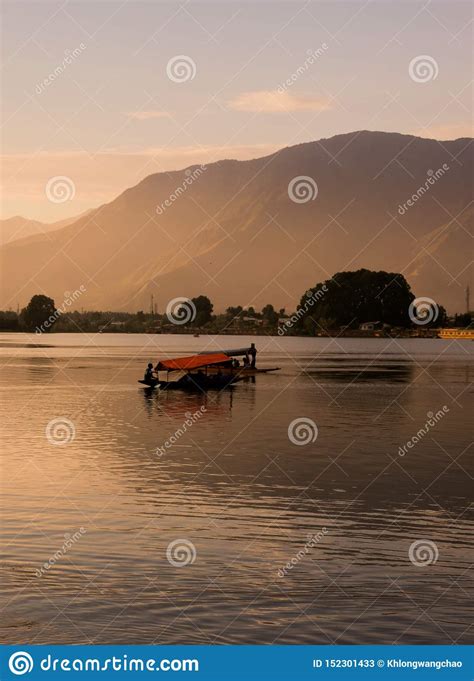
246	362
253	355
149	373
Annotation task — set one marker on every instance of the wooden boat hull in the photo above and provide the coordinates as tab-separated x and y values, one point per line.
148	384
193	382
242	372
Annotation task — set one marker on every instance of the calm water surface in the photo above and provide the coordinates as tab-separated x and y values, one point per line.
239	496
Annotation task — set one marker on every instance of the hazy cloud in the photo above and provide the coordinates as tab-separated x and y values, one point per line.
273	101
147	115
100	177
450	131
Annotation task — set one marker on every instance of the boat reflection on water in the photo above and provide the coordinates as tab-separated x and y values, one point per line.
241	490
337	369
401	373
176	403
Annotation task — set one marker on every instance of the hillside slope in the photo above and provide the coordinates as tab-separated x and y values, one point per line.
234	234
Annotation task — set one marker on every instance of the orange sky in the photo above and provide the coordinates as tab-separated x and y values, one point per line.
107	93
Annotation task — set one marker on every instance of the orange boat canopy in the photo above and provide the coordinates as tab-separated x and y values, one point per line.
194	362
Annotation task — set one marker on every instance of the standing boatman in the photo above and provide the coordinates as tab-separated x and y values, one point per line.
253	355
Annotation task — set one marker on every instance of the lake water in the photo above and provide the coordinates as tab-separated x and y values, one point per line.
188	543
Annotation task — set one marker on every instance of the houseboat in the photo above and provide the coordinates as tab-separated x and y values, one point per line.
458	334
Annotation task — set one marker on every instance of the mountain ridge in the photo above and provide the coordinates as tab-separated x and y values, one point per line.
233	233
18	227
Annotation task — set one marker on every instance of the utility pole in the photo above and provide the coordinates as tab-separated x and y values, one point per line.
152	306
468	299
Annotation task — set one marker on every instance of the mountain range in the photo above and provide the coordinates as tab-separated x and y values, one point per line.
265	230
19	227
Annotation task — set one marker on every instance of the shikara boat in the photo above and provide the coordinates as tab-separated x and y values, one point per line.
214	370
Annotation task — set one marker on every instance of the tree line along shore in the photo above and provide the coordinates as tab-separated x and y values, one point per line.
361	303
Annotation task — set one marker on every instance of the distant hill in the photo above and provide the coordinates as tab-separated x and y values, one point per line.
235	235
19	227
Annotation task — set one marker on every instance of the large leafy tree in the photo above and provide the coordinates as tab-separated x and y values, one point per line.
234	311
463	319
204	309
269	314
40	313
351	298
8	321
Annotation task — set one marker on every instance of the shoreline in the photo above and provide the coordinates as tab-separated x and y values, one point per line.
428	334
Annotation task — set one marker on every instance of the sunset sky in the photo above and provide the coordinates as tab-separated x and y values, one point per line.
113	111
